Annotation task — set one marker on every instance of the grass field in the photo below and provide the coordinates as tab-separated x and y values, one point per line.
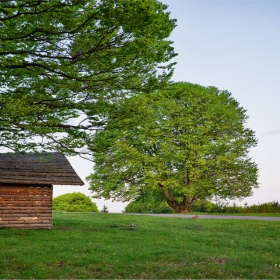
123	246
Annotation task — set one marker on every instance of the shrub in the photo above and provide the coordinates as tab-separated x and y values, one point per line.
74	202
140	206
268	207
105	209
203	205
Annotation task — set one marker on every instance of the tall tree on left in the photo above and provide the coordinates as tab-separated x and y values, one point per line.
64	62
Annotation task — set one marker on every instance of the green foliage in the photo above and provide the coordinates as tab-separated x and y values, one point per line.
203	205
149	201
74	202
140	206
150	205
64	63
187	142
268	207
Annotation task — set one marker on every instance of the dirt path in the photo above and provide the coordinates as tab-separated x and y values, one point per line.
263	218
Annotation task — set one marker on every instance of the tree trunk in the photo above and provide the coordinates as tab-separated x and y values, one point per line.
179	207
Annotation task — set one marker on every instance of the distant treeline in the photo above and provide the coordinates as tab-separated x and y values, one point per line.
204	206
209	207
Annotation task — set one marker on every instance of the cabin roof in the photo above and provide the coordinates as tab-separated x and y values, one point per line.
40	168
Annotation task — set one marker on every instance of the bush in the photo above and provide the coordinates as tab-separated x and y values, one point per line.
203	205
74	202
141	206
268	207
153	206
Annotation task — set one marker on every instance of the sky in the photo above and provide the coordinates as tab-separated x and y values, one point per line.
234	46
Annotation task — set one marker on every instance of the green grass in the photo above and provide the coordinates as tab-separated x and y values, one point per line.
84	245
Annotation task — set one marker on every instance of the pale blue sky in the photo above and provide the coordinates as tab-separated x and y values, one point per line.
233	45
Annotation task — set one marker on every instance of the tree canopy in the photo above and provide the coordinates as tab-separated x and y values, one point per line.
63	63
186	142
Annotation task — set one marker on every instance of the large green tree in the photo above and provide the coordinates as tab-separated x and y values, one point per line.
64	62
187	142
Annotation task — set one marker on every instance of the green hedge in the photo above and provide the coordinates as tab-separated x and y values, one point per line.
268	207
204	206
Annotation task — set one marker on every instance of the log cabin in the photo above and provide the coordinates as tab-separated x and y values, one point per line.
26	187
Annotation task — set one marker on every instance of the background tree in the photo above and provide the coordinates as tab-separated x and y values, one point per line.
189	142
62	63
104	209
74	202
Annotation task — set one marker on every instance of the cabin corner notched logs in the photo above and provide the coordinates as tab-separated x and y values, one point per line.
26	187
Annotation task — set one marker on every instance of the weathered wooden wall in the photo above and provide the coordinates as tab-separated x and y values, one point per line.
26	206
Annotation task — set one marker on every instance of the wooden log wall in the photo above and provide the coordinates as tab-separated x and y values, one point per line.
26	206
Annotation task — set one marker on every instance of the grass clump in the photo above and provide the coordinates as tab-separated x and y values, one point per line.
85	245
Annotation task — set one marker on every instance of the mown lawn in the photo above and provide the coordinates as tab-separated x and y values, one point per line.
123	246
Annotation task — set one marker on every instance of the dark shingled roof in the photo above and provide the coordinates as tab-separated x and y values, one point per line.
41	168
